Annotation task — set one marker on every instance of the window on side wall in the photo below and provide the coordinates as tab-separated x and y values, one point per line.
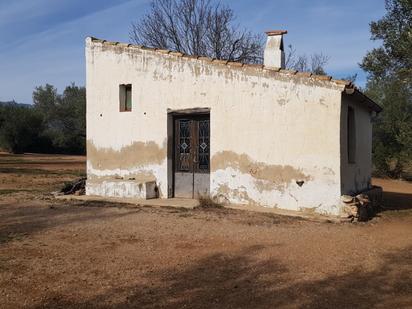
351	142
125	97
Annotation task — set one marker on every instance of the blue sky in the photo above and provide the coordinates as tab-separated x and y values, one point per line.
42	41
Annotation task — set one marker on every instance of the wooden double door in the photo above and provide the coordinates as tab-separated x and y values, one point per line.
191	156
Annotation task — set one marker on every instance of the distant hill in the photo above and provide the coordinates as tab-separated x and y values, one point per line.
3	103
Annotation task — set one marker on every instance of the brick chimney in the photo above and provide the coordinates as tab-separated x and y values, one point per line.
274	52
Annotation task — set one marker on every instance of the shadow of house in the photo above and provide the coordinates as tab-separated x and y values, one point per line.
28	219
239	280
397	201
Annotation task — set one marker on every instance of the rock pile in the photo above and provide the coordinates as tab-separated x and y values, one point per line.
357	208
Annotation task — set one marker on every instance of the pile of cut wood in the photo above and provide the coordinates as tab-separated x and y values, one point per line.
357	208
77	187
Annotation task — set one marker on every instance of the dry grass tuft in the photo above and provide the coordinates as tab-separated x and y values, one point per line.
208	202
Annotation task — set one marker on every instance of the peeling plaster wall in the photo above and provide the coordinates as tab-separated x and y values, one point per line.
356	177
268	129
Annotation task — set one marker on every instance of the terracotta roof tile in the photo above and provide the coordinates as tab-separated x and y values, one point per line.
146	47
304	74
235	64
177	54
205	59
285	71
276	32
163	51
220	61
137	46
322	77
191	56
256	66
273	69
124	45
342	82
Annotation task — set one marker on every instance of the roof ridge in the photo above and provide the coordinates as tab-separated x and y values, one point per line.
340	82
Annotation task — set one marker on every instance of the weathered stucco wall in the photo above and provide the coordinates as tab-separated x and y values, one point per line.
268	129
356	176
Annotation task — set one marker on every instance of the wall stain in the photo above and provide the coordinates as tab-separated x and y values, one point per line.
134	155
224	193
267	177
282	102
322	101
196	70
138	177
311	210
239	194
328	171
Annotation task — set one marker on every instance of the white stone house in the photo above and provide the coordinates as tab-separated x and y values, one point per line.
161	124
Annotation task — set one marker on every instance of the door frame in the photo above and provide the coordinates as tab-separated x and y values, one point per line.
172	115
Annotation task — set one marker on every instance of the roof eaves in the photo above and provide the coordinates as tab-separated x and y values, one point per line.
307	75
363	98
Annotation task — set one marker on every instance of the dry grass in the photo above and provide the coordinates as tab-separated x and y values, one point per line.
207	202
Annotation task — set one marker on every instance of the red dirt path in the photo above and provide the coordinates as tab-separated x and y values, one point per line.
57	254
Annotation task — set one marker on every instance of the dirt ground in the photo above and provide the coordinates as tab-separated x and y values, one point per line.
60	254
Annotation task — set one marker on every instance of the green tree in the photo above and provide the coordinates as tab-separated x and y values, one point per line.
20	128
65	116
71	117
44	99
392	143
56	122
389	69
394	57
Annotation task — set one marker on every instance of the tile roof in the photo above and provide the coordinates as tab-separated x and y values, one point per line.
349	87
276	32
